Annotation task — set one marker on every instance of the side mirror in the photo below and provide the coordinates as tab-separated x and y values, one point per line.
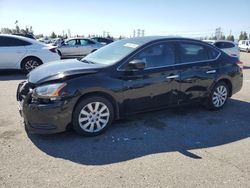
136	64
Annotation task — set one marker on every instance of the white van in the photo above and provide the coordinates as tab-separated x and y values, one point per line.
244	45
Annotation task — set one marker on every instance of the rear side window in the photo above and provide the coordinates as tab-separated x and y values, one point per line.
86	42
223	45
9	41
192	52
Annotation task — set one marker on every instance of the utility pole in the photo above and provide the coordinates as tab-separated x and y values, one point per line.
142	32
69	33
138	32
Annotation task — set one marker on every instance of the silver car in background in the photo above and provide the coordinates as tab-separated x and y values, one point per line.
78	47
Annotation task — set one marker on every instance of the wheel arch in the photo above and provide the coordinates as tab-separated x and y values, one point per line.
103	94
30	56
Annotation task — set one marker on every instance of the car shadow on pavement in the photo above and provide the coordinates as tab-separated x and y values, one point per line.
7	75
173	130
246	67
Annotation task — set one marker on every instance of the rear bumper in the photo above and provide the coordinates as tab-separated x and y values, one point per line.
237	83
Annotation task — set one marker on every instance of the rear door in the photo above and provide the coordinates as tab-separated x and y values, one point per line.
86	46
12	51
197	65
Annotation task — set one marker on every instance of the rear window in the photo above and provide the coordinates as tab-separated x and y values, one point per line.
9	41
192	52
223	45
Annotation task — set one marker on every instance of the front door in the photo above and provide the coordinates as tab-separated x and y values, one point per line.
157	85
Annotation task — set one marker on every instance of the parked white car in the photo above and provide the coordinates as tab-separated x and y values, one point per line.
18	52
244	45
228	47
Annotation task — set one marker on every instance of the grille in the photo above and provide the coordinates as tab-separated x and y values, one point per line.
23	89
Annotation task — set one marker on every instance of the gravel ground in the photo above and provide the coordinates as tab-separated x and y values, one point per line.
179	147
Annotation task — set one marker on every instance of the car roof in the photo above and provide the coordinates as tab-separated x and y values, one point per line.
33	41
148	39
75	38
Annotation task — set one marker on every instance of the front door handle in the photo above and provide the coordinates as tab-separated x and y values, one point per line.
172	76
211	72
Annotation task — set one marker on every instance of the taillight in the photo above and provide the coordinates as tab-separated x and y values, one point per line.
53	50
240	64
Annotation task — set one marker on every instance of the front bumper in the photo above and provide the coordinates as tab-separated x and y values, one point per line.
41	118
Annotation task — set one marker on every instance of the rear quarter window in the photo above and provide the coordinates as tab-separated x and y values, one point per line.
213	53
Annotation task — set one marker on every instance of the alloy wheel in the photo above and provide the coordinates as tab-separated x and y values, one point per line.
219	96
94	117
31	64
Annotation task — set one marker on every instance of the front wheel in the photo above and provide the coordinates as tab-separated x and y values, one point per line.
218	96
92	116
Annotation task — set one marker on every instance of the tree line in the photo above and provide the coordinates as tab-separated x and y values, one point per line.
29	30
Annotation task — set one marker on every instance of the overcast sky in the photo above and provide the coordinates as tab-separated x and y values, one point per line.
190	18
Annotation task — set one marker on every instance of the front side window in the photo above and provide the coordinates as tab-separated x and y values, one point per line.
159	55
192	52
71	42
10	42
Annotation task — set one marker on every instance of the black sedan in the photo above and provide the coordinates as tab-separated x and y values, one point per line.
123	78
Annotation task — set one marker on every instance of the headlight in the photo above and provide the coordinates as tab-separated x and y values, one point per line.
49	91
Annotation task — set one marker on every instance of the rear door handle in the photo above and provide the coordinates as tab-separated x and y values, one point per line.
172	76
211	72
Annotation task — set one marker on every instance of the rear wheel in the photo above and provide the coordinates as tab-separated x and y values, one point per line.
247	50
30	63
92	116
218	96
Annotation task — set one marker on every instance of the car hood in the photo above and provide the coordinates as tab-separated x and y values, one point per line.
60	69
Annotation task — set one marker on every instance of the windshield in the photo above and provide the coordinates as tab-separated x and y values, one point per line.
113	52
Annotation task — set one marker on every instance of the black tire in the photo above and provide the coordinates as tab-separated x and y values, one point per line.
247	50
82	105
30	63
210	103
